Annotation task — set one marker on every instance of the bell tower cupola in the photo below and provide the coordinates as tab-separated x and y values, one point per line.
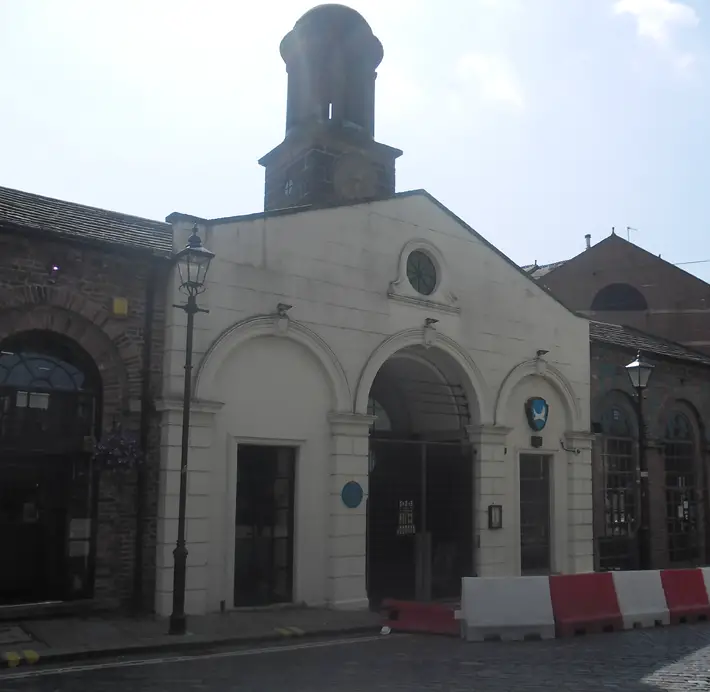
329	155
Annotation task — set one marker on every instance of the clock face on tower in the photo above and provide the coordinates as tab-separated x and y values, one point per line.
355	177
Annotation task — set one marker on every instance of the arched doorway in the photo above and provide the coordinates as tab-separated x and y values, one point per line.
50	397
420	506
682	506
616	538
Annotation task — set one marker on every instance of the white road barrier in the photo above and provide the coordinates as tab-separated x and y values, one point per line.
642	600
506	608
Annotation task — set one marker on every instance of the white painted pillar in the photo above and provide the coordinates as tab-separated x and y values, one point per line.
492	487
199	503
347	548
580	504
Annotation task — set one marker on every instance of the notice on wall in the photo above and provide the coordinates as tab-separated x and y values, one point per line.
405	525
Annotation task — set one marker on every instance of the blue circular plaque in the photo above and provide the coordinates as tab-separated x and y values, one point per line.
352	494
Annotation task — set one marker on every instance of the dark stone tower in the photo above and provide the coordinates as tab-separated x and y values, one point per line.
329	155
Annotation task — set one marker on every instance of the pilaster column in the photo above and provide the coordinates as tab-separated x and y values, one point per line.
347	546
492	554
657	524
580	512
199	503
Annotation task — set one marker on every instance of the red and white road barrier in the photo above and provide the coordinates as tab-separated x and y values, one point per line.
517	608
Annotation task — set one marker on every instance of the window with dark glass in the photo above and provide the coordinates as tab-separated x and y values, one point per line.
421	272
619	474
681	490
47	393
619	467
619	297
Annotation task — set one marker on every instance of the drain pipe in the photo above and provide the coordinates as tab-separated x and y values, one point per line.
146	410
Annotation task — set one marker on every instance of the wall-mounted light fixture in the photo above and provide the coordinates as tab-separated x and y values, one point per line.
53	273
282	321
429	335
495	517
542	352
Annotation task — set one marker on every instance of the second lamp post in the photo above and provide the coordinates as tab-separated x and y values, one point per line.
639	373
193	263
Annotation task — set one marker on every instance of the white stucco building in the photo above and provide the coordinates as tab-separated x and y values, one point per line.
362	338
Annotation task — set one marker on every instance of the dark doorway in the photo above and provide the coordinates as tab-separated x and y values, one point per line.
534	514
263	562
49	414
420	519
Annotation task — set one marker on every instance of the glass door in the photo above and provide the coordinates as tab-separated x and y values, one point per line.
534	514
263	567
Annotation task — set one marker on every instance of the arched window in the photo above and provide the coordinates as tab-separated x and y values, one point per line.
619	297
616	423
49	393
681	490
619	482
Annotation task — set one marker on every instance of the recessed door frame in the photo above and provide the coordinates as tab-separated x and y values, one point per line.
559	490
229	529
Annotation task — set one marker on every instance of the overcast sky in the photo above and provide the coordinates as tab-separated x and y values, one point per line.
536	121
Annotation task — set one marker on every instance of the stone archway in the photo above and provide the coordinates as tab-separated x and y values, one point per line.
67	313
574	418
269	326
50	404
421	495
85	322
454	356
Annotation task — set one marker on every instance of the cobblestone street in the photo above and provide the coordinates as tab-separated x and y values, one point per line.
675	658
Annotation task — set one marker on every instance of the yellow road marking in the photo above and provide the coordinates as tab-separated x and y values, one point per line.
12	658
283	631
297	631
30	656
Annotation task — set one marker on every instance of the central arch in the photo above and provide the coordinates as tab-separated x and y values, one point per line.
458	361
420	504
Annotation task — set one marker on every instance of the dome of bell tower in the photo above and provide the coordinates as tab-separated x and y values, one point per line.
329	155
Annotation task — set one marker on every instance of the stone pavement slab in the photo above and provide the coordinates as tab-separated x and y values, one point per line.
66	639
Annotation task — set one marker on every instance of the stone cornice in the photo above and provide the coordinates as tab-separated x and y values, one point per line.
488	434
350	423
171	404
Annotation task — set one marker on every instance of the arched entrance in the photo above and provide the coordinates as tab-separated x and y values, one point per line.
420	506
683	510
50	397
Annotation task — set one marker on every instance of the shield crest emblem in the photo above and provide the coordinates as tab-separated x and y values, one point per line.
537	411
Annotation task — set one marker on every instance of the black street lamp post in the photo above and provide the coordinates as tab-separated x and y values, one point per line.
193	263
639	373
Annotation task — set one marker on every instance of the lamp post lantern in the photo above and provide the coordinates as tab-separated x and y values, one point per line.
640	373
193	263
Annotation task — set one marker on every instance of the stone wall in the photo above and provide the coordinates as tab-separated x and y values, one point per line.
78	303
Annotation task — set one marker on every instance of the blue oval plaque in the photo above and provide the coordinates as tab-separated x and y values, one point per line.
352	494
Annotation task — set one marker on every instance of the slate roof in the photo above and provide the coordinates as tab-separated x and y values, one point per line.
537	271
27	210
628	337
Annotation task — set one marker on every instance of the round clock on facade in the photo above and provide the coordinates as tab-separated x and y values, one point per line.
355	177
421	272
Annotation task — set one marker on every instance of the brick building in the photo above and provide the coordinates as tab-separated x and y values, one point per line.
616	281
81	345
676	409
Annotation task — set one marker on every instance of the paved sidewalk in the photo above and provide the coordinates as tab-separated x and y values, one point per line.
66	639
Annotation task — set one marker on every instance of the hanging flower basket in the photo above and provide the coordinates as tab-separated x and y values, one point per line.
118	451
